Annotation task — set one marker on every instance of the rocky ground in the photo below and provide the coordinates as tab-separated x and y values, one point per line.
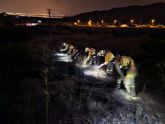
86	102
35	89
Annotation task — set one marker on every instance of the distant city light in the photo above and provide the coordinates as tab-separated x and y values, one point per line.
153	22
39	21
90	23
102	21
75	23
78	21
115	21
124	26
42	15
132	20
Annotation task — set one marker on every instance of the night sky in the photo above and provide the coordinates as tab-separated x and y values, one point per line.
66	7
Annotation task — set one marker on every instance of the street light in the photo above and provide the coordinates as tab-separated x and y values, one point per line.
78	21
132	21
90	23
102	21
115	21
75	23
153	22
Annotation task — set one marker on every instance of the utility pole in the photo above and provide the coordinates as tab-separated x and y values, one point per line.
49	12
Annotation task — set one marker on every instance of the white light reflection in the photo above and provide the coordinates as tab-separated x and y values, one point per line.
95	72
60	54
123	95
61	57
83	66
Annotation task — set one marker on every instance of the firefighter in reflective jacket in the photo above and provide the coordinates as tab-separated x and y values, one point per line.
90	59
126	68
108	60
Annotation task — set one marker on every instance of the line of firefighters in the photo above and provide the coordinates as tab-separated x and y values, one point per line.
123	65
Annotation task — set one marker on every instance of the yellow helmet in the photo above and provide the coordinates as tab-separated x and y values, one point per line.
71	46
109	56
102	52
124	61
86	49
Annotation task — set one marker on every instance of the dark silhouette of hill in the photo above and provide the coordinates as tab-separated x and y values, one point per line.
140	13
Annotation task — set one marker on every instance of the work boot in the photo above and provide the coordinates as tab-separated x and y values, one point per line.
119	83
109	72
132	92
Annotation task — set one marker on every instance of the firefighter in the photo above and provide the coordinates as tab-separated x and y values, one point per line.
100	58
108	61
126	68
90	59
70	49
67	48
75	53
